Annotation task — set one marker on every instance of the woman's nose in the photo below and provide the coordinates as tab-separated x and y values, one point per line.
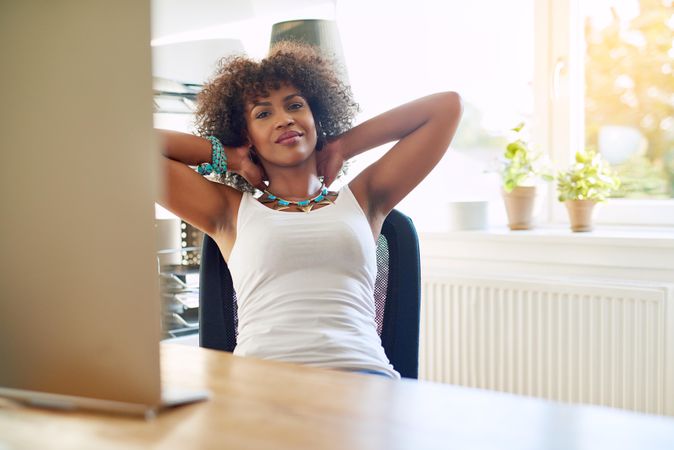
285	121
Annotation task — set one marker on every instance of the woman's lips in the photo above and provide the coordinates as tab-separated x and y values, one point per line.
289	138
289	141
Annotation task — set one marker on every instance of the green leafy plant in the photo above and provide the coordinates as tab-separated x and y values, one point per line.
522	165
589	178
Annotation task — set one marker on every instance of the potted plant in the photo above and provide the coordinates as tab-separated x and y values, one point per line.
522	167
588	181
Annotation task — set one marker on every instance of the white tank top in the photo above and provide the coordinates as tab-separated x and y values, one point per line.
305	286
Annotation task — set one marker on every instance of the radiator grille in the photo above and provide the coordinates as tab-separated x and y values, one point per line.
579	343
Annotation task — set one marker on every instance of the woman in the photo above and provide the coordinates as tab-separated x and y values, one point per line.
302	258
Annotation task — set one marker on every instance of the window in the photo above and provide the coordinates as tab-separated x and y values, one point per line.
629	92
607	68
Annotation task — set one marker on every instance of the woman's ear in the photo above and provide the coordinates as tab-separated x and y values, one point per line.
252	153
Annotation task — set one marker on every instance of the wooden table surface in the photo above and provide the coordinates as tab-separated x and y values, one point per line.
269	405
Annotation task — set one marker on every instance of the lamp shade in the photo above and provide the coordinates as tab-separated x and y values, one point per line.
319	33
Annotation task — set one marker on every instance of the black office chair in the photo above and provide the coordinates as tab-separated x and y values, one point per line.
397	296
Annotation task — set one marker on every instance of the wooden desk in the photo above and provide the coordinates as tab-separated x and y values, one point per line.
266	405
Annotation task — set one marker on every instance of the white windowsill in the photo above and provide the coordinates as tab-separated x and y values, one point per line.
562	234
643	253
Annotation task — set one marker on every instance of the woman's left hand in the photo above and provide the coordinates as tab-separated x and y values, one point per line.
329	161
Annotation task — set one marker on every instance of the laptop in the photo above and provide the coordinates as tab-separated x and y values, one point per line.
79	284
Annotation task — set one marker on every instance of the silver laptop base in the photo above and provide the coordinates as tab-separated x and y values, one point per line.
170	398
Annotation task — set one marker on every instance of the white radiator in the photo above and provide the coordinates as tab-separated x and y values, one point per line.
574	342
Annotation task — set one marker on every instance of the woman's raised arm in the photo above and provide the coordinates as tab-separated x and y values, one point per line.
205	204
423	128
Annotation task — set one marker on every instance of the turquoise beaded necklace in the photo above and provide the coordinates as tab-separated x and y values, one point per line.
304	205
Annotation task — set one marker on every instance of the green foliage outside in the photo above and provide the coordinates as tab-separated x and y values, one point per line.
641	178
589	178
630	81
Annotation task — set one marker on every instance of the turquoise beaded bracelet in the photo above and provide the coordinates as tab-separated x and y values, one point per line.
218	162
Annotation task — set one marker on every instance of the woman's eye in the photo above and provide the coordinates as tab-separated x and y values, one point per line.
261	114
294	106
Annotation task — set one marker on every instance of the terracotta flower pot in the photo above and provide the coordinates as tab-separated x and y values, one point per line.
519	205
580	214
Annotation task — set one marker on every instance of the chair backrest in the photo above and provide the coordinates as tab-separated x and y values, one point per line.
397	296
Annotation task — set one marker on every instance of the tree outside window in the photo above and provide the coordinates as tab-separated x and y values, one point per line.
629	97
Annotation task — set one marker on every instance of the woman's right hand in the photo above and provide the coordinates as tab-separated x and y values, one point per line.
238	161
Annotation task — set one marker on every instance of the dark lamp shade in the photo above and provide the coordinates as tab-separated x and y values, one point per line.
319	33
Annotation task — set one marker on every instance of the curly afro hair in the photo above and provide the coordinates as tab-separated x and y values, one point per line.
239	80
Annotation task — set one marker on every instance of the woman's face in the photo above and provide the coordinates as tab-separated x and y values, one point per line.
281	127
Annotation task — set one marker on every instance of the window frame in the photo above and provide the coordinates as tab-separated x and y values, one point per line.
559	92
